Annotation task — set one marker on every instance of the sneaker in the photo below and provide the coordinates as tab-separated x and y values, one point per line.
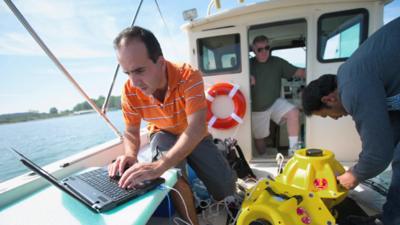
294	148
291	152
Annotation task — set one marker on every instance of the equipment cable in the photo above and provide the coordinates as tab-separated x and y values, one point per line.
176	219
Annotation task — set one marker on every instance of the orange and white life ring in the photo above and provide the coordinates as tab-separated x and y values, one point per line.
239	102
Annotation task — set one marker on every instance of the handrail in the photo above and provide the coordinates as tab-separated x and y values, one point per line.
39	41
105	105
216	4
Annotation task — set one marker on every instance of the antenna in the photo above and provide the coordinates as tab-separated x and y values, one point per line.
16	153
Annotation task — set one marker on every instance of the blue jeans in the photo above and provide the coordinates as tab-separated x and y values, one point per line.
391	209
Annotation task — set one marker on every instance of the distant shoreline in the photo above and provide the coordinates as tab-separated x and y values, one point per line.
31	116
27	116
114	103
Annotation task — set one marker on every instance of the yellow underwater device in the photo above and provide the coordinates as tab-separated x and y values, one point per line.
304	193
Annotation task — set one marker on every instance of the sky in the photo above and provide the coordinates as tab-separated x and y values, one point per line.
80	34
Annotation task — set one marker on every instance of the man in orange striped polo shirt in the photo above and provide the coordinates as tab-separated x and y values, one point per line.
171	99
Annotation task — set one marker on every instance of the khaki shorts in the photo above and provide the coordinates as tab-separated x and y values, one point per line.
260	120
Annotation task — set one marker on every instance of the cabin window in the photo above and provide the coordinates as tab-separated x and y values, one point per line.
296	56
219	55
340	34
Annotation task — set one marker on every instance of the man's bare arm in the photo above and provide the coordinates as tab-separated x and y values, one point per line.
185	144
132	141
131	148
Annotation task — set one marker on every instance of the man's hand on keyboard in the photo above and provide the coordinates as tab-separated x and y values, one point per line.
120	165
141	172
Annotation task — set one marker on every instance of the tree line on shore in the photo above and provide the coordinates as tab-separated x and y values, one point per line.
113	104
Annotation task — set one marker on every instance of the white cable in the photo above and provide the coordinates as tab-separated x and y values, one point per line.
204	204
184	204
177	220
216	206
211	212
279	160
236	217
250	179
227	208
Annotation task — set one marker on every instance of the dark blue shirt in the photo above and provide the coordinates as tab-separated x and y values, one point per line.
367	82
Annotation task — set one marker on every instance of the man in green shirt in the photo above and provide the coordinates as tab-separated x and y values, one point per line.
266	73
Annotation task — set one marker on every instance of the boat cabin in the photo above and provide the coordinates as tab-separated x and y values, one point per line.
316	35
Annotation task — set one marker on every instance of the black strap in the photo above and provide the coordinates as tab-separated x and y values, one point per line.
298	198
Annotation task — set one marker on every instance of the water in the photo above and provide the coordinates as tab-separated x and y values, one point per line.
46	141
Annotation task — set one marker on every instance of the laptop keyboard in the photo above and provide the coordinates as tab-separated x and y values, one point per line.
100	180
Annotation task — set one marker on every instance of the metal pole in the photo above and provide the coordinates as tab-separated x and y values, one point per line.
105	105
38	40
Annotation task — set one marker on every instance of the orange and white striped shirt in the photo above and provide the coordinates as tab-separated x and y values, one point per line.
184	96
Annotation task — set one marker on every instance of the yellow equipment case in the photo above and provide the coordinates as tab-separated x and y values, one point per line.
304	193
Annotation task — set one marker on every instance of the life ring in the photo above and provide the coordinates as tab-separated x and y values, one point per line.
239	102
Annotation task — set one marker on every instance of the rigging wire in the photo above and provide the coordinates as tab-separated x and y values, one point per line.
171	38
107	100
162	18
58	64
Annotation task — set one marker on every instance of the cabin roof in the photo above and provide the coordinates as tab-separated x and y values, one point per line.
267	5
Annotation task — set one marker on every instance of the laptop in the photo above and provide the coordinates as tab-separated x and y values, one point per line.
93	188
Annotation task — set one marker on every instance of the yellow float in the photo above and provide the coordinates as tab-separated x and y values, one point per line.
315	170
304	193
